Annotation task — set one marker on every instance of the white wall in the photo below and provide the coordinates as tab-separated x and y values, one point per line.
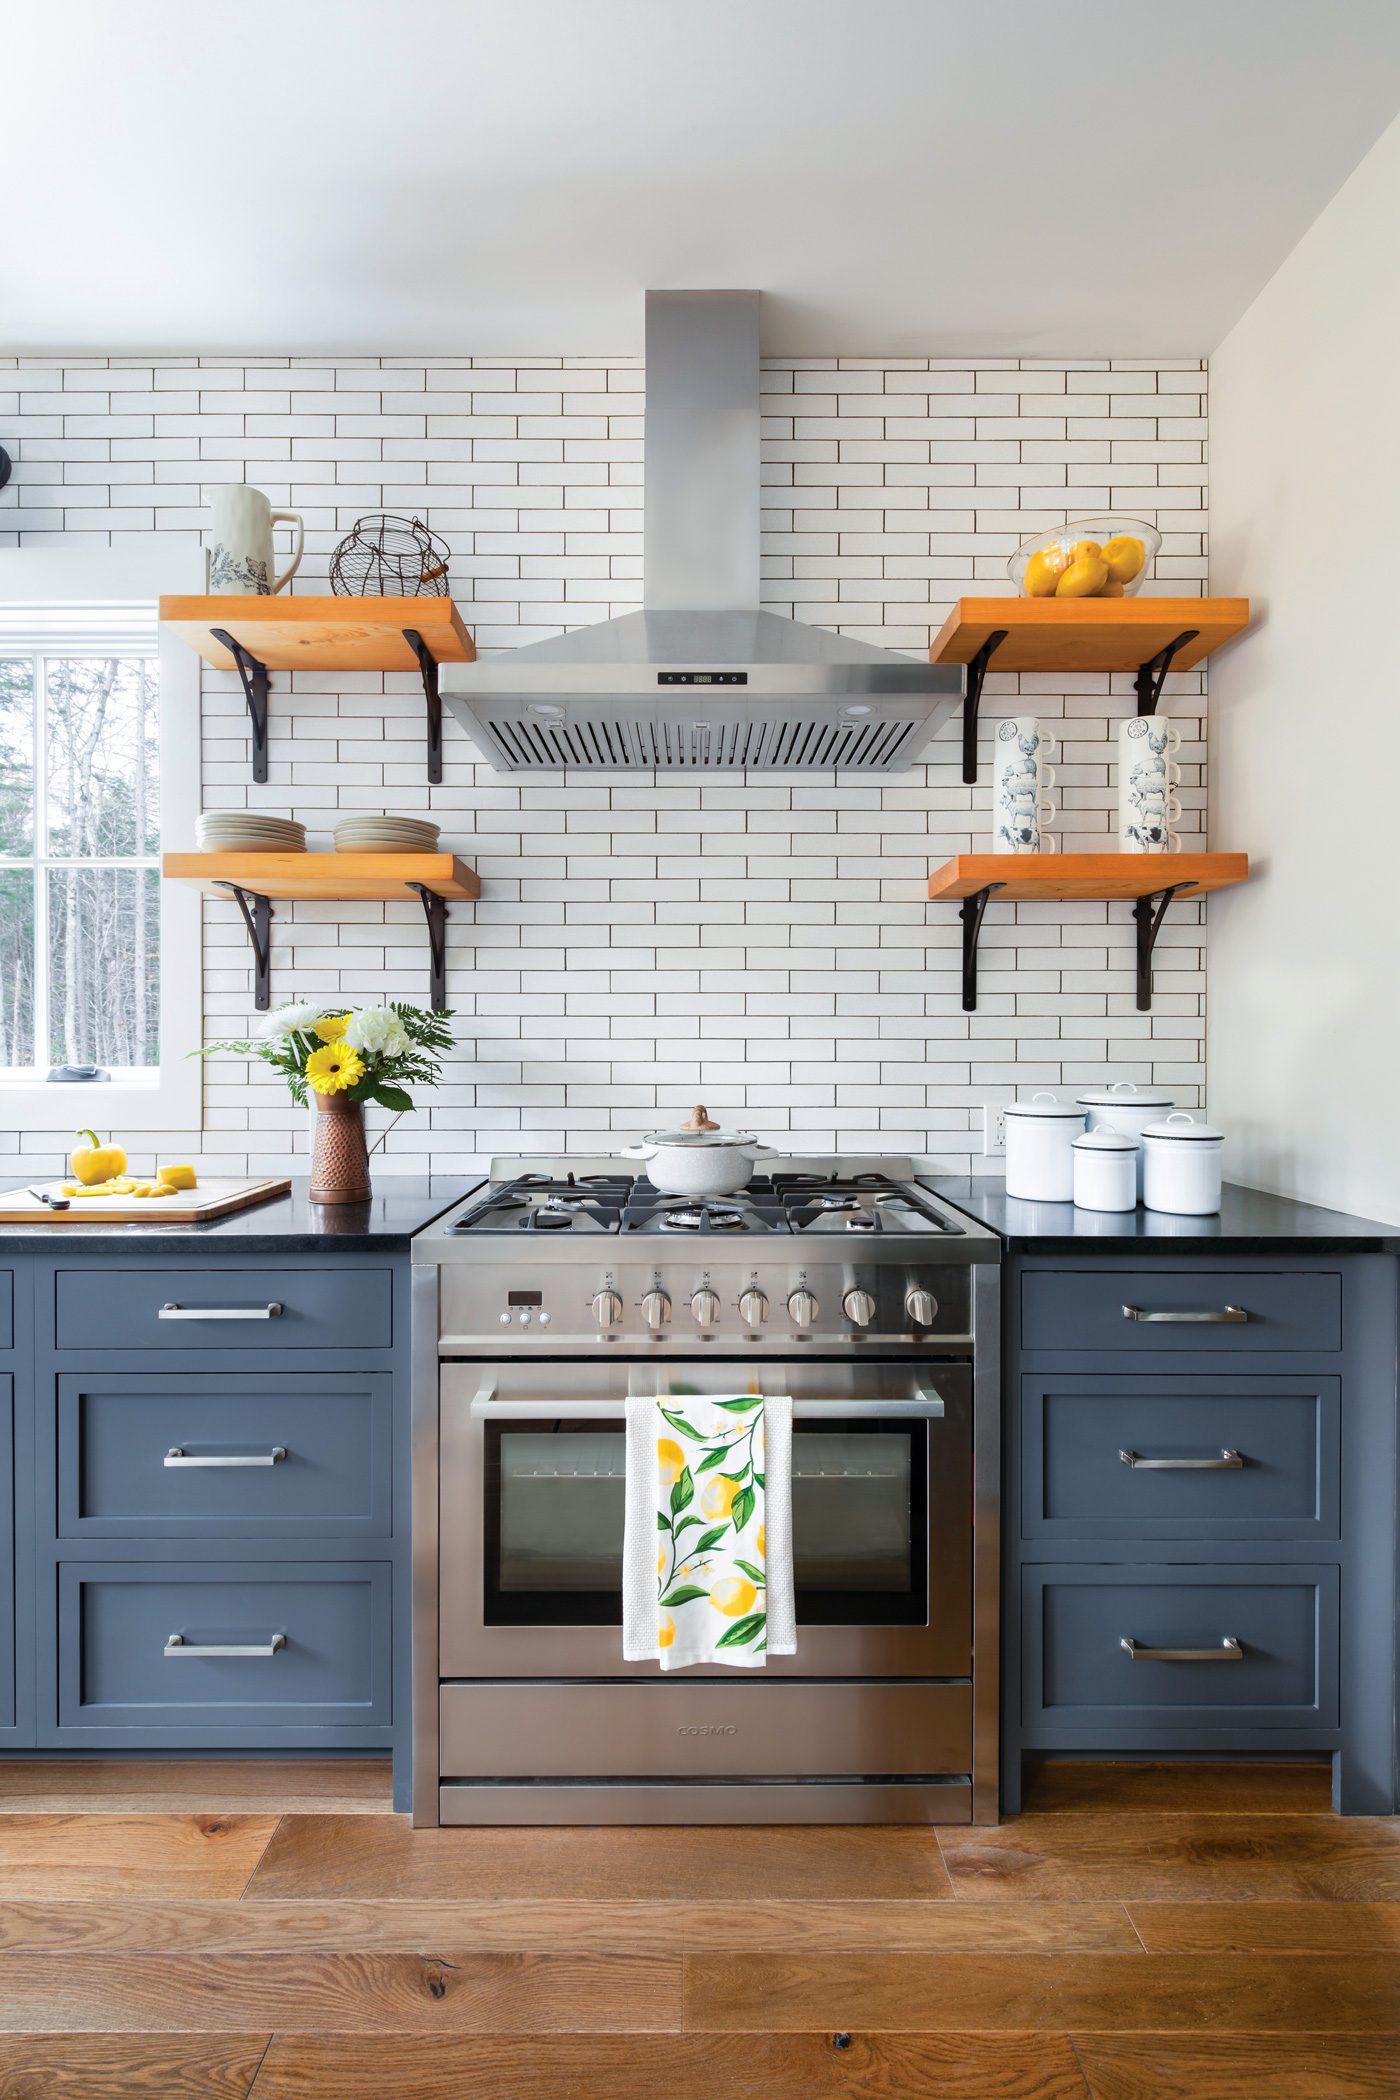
764	944
1304	713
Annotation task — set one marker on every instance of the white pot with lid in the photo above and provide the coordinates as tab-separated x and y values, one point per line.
1106	1170
1183	1167
1040	1136
699	1159
1127	1107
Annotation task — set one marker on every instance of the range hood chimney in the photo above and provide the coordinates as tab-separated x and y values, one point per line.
701	680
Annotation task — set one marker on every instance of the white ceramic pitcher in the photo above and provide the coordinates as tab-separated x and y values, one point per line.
239	558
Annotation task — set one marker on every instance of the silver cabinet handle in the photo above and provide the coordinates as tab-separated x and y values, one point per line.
1228	1462
177	1457
220	1312
1229	1651
178	1645
1227	1316
926	1408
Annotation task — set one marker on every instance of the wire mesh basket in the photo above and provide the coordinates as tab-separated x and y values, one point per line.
390	557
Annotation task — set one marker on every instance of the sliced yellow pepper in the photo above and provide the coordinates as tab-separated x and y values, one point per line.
178	1177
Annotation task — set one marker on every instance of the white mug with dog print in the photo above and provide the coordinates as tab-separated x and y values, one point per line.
1147	778
1021	779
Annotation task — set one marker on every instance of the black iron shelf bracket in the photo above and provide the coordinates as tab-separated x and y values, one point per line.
971	912
428	665
255	688
1149	912
257	917
972	701
1152	675
435	912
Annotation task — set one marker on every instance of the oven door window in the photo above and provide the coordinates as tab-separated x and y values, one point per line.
554	1512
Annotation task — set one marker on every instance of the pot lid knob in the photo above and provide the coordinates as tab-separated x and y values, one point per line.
700	1120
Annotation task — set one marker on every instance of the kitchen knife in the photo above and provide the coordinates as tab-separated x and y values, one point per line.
54	1202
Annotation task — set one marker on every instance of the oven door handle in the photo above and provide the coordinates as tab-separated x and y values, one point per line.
924	1407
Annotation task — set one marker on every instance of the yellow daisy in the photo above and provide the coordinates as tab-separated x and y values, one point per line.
332	1069
332	1027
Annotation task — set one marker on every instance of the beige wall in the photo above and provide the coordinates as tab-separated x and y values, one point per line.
1305	712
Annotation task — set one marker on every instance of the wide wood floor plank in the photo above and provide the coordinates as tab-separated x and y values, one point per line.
1266	1928
382	1856
1178	1858
449	1992
127	2067
925	1993
108	1856
1054	1787
539	1925
107	1786
1242	2067
672	2067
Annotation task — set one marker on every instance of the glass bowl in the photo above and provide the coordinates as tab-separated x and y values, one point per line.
1123	551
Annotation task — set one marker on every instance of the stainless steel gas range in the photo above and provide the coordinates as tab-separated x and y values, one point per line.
541	1302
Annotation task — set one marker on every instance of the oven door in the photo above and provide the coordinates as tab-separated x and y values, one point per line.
532	1486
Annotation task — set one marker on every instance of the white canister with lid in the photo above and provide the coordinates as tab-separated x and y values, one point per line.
1128	1108
1105	1170
1182	1171
1040	1136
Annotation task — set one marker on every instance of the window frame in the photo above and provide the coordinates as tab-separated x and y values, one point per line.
59	601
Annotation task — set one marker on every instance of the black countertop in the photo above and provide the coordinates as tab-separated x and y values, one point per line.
400	1206
1249	1221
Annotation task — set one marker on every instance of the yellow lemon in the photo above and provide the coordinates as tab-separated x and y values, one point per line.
672	1459
734	1596
1123	556
1085	550
1043	572
763	1542
717	1497
1112	589
1082	579
666	1631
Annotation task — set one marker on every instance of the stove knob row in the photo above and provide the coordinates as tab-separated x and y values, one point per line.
753	1307
705	1306
802	1305
607	1308
859	1306
922	1307
656	1308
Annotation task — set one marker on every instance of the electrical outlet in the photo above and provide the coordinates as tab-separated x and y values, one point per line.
993	1130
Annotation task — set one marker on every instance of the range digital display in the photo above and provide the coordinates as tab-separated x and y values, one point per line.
702	677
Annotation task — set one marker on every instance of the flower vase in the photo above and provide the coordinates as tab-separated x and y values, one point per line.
339	1158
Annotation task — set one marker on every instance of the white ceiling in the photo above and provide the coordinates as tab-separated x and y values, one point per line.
1016	177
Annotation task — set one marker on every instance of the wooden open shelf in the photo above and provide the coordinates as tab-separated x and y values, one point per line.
321	634
1148	880
253	880
1059	878
1087	634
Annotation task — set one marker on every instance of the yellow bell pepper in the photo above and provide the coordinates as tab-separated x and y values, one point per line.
178	1177
92	1163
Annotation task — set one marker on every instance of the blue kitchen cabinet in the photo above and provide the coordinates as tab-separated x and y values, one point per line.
1201	1510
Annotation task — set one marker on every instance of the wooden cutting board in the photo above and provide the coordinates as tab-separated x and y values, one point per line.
191	1207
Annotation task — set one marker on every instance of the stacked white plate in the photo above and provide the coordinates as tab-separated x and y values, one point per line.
239	830
385	835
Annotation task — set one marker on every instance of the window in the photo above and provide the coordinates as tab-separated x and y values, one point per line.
80	904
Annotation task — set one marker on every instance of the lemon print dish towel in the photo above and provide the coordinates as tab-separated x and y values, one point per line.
707	1550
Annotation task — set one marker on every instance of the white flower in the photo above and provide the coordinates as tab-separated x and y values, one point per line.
302	1014
378	1031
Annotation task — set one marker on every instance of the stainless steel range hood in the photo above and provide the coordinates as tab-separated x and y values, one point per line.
701	679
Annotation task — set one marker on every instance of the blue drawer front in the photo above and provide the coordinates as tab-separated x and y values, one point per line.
7	1553
1083	1309
1076	1673
119	1433
7	1309
1077	1484
116	1618
320	1308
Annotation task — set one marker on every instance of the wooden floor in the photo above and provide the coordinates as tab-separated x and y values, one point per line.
273	1932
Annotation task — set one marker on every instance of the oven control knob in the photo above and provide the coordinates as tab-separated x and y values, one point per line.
705	1306
607	1308
922	1307
656	1308
859	1306
803	1307
753	1308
